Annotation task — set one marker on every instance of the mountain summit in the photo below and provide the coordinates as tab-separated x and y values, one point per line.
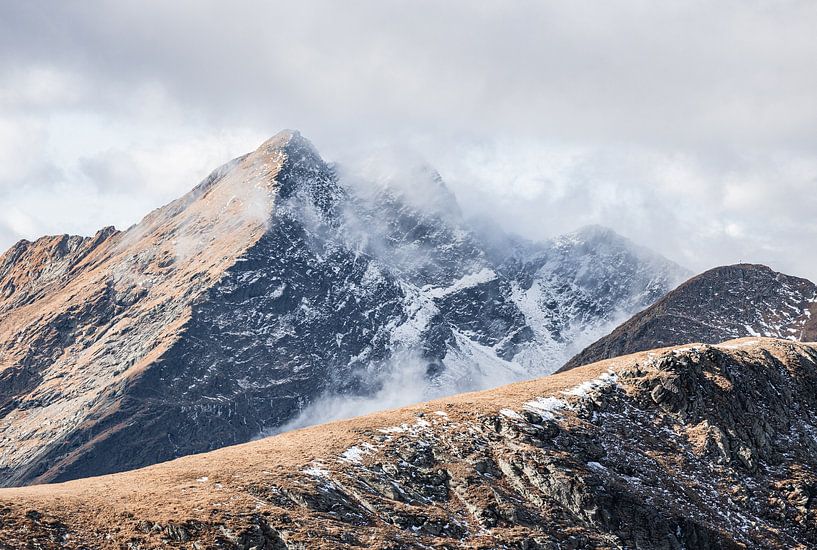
272	288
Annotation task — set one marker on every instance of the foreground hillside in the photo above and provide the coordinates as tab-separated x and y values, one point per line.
720	304
275	283
691	447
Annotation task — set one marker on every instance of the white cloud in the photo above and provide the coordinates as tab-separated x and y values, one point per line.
687	126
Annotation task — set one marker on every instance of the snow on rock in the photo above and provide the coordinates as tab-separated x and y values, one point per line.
607	379
356	453
316	470
467	281
510	413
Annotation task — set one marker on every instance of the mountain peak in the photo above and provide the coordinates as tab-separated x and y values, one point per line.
302	170
283	139
287	146
244	189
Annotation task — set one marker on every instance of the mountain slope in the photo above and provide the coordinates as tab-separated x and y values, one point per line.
573	288
693	447
270	287
72	343
720	304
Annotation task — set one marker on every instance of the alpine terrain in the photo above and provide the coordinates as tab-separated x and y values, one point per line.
276	284
695	447
720	304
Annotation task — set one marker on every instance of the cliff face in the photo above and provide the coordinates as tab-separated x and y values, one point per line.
693	447
274	282
720	304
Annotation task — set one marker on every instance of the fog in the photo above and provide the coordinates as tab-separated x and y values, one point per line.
689	127
402	382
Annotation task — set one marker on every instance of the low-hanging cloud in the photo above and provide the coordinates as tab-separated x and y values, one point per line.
689	127
401	382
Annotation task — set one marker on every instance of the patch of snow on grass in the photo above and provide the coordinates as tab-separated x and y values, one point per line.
356	453
606	379
511	414
394	429
405	428
545	406
316	470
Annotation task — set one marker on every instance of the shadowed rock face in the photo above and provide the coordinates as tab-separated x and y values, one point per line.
698	447
721	304
272	283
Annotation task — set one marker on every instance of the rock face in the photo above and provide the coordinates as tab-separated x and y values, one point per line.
720	304
697	447
271	284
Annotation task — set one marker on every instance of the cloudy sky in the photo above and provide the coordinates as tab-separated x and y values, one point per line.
690	127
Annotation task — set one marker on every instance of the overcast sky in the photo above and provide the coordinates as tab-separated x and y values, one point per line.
690	127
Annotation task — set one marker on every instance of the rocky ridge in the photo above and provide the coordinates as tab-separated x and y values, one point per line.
691	447
721	304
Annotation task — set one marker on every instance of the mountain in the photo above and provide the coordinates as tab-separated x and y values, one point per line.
697	447
276	289
720	304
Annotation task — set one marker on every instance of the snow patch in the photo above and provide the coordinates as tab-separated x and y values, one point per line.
418	426
356	453
316	470
510	413
545	406
606	379
471	280
403	428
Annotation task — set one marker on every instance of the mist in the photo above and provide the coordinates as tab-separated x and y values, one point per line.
402	382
